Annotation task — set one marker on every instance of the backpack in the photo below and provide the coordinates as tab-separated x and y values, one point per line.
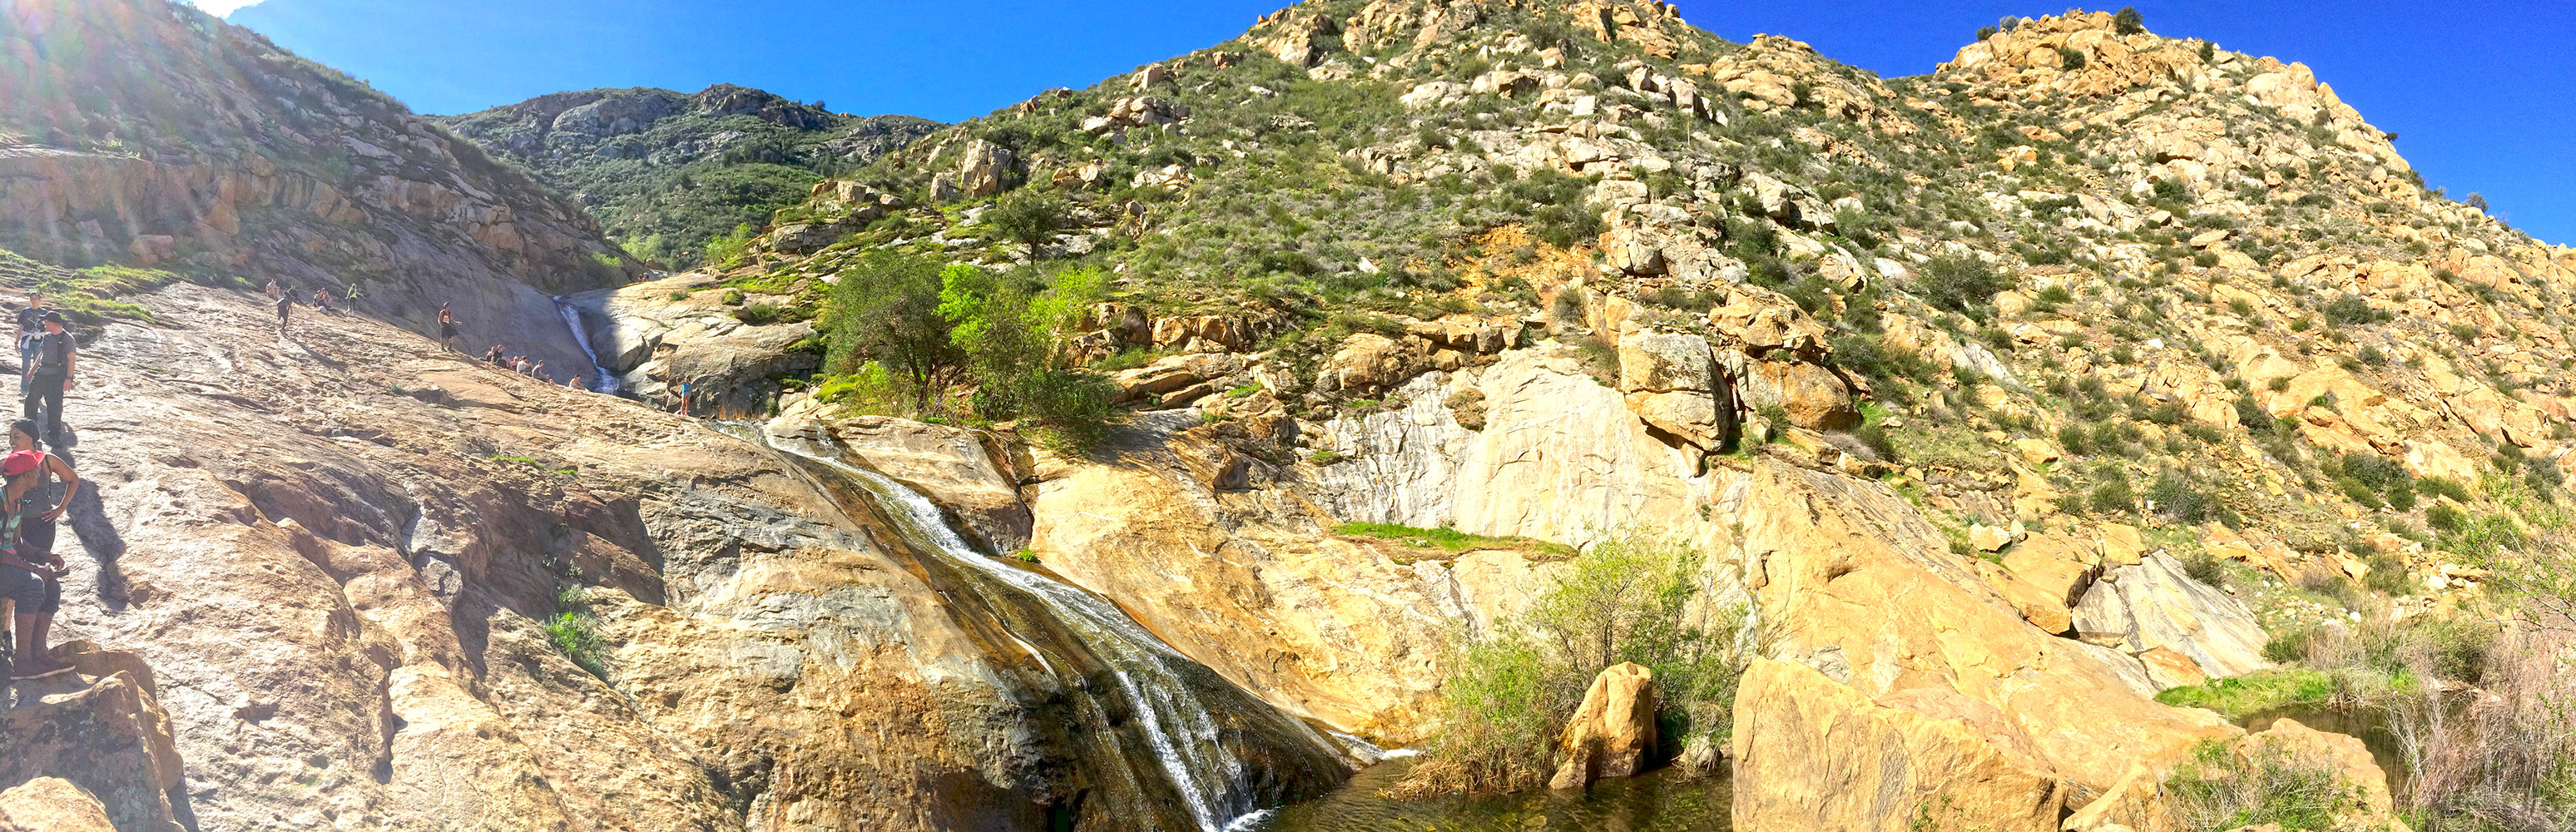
53	353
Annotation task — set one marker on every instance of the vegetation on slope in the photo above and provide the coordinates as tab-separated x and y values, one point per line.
668	172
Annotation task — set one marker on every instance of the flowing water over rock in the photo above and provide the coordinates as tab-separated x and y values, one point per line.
1657	801
1154	728
601	380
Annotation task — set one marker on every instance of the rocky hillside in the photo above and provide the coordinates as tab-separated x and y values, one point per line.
140	133
2154	361
666	172
2020	441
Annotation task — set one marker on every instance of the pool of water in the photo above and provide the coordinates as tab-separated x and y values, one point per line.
1657	801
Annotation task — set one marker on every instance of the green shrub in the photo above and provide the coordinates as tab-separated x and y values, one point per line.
727	251
2442	517
759	314
1961	284
2178	497
2128	21
2113	495
1622	601
2220	789
2351	310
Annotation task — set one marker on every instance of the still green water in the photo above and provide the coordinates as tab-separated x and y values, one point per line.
1654	802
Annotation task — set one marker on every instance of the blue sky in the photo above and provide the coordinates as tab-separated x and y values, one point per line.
2478	91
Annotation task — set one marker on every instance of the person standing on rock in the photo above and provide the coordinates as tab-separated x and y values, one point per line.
351	299
42	507
446	326
34	589
31	323
48	374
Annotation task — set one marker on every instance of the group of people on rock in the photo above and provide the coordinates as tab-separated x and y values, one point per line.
38	487
534	368
284	297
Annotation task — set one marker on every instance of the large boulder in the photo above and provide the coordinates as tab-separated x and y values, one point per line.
1813	397
2157	604
1369	361
50	804
1613	729
1813	753
109	736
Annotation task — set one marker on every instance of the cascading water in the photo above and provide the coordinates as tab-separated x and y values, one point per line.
602	382
1193	729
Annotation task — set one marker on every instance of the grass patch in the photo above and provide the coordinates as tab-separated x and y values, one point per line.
1452	540
2254	693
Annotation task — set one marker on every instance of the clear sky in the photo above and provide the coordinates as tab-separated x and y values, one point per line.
2481	92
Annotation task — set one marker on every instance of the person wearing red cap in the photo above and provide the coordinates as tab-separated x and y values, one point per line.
34	589
43	505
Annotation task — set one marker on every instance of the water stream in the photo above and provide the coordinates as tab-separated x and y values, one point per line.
601	382
1161	728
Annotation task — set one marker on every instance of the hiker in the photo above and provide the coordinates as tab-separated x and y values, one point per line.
573	382
322	300
446	326
31	323
493	356
275	291
49	374
519	365
538	370
684	399
285	304
43	508
353	296
34	589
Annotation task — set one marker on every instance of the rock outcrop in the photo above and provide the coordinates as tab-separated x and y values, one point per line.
102	738
48	804
243	161
1613	730
2156	605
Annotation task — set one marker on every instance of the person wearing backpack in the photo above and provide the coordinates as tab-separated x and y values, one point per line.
43	504
49	374
34	591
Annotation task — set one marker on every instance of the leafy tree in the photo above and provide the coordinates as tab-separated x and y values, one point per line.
886	309
727	251
2477	201
1028	216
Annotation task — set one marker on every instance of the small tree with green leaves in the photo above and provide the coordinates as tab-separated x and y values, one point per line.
1028	216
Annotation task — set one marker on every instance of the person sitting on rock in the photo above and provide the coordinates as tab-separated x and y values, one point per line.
43	504
322	300
35	590
49	374
493	356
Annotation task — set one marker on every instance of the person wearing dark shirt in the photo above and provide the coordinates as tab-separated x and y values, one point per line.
50	373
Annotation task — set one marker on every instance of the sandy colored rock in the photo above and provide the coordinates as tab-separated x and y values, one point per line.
49	804
2155	604
2056	565
1812	753
107	736
1613	730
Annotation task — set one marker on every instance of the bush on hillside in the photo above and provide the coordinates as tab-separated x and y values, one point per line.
1962	284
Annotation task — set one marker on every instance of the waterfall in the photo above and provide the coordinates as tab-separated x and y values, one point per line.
581	335
1200	755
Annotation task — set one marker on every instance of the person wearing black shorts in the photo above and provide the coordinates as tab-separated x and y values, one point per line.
446	326
42	513
49	374
35	589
